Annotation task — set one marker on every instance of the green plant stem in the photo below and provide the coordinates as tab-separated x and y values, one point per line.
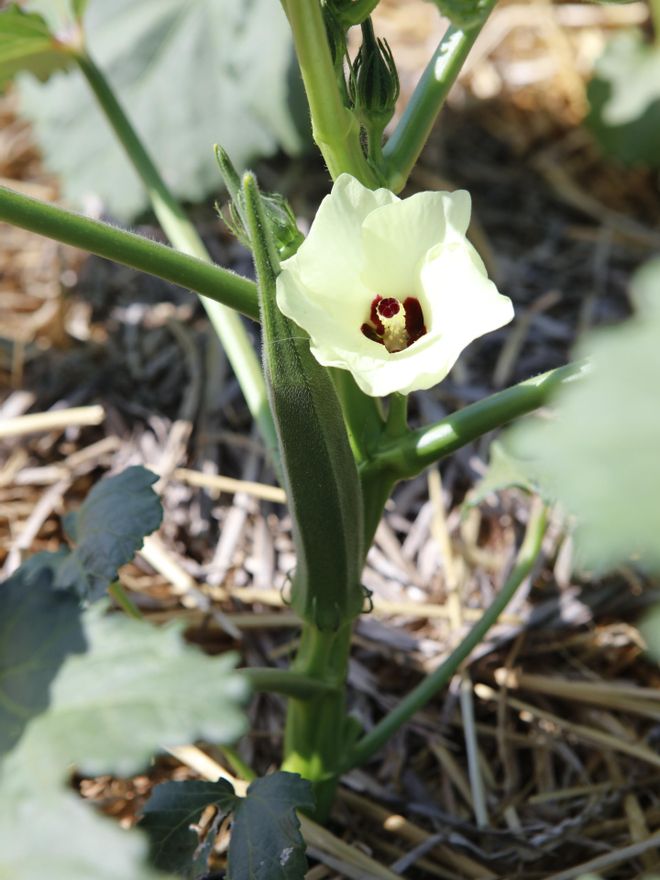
238	765
654	6
407	141
316	728
183	235
361	414
289	682
334	127
407	456
118	593
130	250
429	687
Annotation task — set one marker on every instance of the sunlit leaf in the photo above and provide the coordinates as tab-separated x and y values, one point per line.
190	73
599	454
624	97
53	835
26	43
134	691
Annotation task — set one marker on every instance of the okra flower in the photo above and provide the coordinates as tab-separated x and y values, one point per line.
390	289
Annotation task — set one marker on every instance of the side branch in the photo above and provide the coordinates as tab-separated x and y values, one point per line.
129	249
403	148
407	456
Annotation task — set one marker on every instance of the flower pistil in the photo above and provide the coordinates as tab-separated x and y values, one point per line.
394	324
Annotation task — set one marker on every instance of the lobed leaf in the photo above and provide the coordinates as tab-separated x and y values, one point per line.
109	527
624	98
266	843
189	74
170	813
26	44
600	454
53	834
135	690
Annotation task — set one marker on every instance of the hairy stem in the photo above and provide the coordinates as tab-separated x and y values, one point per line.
316	729
130	250
408	455
429	686
405	145
335	129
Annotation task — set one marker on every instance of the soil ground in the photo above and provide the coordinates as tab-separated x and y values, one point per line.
561	703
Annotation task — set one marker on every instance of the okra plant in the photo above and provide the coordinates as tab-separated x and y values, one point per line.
377	301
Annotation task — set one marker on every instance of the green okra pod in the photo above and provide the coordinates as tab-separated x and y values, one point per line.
320	474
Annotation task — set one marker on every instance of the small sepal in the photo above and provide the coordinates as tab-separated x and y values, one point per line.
281	220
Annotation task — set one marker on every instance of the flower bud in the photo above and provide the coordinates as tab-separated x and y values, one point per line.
373	82
281	220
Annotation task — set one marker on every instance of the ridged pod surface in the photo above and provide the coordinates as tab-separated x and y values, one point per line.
319	471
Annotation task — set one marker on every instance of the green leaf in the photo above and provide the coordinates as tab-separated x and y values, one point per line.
108	529
624	98
136	689
600	454
39	628
189	74
53	835
266	843
169	814
27	44
464	14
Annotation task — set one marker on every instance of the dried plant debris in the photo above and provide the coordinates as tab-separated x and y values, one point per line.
561	703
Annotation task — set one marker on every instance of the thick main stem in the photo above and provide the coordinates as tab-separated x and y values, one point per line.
317	728
183	235
335	129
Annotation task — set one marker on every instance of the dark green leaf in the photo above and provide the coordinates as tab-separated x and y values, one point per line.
39	628
624	98
169	814
136	689
600	453
108	528
189	74
266	843
27	44
53	835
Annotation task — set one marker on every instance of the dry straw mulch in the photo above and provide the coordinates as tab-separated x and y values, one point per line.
560	709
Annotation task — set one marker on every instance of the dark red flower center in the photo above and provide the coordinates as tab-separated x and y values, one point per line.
394	324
